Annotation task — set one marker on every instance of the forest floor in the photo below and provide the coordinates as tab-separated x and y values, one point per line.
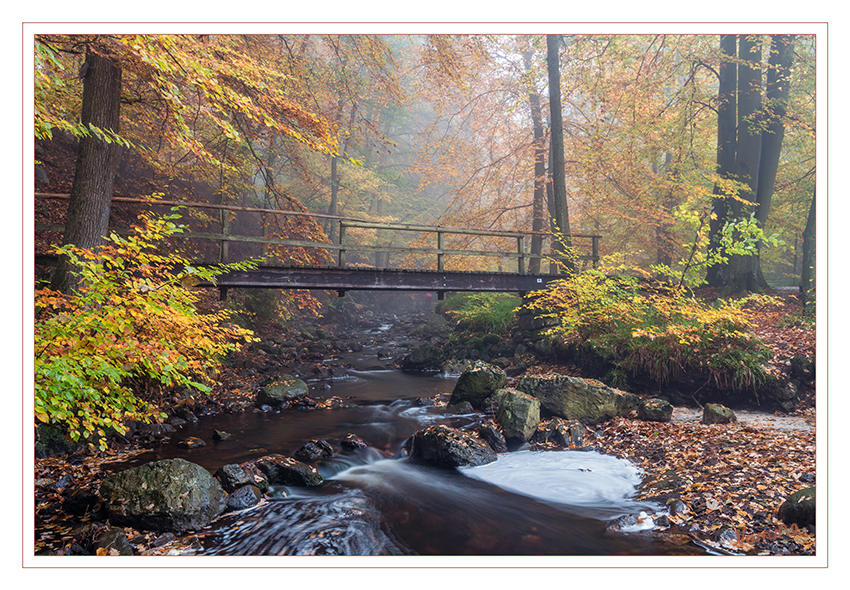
731	478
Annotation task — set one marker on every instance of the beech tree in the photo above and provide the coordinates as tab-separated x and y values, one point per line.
751	127
560	210
194	106
91	192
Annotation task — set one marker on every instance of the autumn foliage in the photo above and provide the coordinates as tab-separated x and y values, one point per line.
134	327
654	329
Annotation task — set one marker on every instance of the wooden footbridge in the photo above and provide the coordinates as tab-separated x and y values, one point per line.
342	277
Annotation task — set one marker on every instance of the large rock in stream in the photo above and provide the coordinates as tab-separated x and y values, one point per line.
576	399
518	414
281	392
478	382
447	447
169	495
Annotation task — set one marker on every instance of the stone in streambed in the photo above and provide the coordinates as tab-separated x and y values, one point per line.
287	471
281	392
518	414
442	446
168	495
576	399
477	383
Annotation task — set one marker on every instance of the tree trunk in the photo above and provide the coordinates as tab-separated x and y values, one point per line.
807	277
664	239
748	157
538	208
333	207
557	166
777	94
727	142
91	193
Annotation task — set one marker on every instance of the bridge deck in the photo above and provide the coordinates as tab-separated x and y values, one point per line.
351	279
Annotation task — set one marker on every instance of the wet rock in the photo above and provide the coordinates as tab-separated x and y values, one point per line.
244	497
493	437
447	447
564	433
655	410
113	541
518	415
256	477
314	450
156	430
799	508
192	442
717	414
232	477
460	408
173	494
424	358
281	392
164	539
477	383
282	470
63	482
352	441
220	435
576	399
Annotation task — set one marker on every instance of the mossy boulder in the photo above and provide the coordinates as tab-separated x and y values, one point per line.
799	508
717	414
655	410
169	495
518	415
573	398
281	392
477	383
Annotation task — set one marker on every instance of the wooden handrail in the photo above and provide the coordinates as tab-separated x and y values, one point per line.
350	222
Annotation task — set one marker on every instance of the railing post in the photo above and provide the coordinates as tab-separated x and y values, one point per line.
224	245
595	251
521	260
341	263
440	255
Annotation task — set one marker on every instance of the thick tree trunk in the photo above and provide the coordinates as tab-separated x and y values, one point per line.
91	193
807	278
777	91
557	167
538	207
727	142
748	157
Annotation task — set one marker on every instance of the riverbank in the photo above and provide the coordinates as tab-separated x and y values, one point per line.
729	479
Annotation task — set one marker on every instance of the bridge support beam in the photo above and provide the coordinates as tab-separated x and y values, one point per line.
353	279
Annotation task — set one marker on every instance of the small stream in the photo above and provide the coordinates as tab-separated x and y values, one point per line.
375	502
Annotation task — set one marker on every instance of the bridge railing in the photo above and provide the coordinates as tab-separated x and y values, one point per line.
345	245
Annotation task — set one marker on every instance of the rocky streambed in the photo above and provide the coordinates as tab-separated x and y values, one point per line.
323	434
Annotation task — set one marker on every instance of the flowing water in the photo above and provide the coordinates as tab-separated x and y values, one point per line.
375	502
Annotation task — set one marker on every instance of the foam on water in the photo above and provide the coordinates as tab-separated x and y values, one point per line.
573	478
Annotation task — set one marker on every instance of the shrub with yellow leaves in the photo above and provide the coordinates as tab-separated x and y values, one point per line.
133	324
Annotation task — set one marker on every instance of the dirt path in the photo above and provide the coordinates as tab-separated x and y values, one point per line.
752	418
